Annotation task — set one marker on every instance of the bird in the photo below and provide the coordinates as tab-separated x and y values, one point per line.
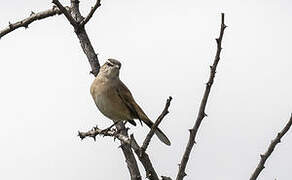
115	101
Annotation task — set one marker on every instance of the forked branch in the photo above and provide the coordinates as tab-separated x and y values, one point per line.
271	148
93	9
72	21
193	132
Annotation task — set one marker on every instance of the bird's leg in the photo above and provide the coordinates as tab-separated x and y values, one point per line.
141	122
109	128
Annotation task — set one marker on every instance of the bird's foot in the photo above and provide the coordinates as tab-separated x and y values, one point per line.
105	131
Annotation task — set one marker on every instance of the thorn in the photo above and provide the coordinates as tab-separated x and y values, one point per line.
224	26
191	130
121	146
80	135
262	156
94	138
184	174
205	115
32	13
10	25
217	40
25	26
211	67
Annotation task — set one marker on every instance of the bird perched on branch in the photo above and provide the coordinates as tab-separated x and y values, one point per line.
114	99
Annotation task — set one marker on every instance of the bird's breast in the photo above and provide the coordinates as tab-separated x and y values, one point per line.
108	102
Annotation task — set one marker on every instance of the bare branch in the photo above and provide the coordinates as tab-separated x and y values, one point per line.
142	155
66	13
129	155
126	144
144	159
96	131
84	40
33	17
271	148
93	9
193	132
155	125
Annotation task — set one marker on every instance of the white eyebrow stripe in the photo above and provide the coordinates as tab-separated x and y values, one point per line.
110	62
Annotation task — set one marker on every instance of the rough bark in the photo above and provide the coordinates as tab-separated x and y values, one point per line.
271	148
193	132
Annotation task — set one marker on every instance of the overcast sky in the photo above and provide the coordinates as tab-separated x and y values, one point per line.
166	48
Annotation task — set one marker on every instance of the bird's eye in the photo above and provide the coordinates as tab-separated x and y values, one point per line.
109	64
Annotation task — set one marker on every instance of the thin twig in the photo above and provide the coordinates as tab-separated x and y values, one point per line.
93	9
33	17
271	148
156	124
66	13
193	132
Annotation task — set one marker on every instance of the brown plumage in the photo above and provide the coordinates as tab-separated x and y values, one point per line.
115	101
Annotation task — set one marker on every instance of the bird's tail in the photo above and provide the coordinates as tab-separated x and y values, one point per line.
162	137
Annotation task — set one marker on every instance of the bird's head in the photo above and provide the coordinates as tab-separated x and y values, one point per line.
111	69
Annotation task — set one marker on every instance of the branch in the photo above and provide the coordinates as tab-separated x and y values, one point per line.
121	134
128	153
96	131
155	125
142	155
144	159
93	9
193	132
33	17
271	148
84	40
66	13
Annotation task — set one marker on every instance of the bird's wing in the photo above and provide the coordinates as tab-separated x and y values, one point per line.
137	111
129	101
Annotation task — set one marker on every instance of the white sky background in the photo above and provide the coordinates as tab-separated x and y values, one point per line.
166	48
